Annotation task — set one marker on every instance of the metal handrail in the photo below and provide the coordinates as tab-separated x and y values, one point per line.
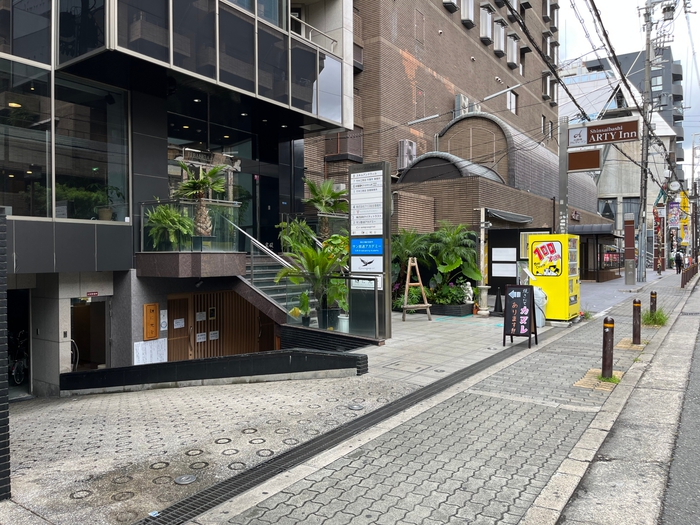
260	246
308	37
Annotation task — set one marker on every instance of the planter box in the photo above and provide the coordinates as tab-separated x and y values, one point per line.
455	310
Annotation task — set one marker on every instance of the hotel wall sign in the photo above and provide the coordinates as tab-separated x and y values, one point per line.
613	130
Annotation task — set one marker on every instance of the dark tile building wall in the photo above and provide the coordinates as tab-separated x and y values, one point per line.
4	408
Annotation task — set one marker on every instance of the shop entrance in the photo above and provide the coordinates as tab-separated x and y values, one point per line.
215	324
89	333
18	343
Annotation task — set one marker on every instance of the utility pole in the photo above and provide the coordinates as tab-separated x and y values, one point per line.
642	243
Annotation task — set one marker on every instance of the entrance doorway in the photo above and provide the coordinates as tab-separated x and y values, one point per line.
18	343
90	333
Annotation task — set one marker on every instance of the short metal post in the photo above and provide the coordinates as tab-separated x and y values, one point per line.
608	342
652	302
636	322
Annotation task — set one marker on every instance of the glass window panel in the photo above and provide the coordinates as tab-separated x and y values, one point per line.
273	77
25	140
237	49
329	88
25	29
91	152
273	11
245	4
194	36
143	27
81	28
303	76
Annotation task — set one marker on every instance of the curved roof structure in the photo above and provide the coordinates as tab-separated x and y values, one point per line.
438	165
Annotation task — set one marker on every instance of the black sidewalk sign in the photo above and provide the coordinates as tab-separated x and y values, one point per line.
519	314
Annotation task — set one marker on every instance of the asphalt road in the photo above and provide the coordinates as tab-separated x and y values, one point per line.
681	505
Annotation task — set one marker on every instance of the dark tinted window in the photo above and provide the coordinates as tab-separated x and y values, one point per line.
25	29
143	27
272	65
194	36
81	28
237	47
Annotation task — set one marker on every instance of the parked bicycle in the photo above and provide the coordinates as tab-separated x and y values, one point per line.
18	356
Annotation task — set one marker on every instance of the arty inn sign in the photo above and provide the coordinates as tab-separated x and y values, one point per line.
617	130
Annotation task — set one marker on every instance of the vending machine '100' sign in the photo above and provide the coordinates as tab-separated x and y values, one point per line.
547	258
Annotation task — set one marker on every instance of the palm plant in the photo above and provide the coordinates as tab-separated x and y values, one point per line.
326	200
453	248
314	267
197	188
407	244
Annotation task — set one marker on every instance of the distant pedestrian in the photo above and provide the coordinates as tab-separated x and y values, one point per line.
679	262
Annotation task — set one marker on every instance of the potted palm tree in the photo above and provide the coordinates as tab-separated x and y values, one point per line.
326	200
315	267
198	187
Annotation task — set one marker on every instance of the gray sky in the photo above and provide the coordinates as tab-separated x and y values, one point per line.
624	23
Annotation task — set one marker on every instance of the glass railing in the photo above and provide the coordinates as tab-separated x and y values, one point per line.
351	304
189	226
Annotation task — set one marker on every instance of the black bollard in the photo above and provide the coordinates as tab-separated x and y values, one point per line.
608	342
498	307
636	322
652	302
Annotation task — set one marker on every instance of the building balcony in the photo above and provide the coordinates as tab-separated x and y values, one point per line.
679	133
189	239
677	71
677	90
680	155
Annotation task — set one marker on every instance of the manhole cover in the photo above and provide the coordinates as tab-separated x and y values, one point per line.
356	407
185	480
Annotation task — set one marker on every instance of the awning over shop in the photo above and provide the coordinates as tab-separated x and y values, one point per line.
508	216
592	229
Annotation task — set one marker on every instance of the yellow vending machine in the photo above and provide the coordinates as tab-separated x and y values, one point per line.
554	261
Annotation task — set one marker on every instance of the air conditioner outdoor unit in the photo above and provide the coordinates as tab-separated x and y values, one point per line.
461	105
474	107
407	153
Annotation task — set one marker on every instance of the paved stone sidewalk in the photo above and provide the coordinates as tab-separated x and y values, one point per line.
482	455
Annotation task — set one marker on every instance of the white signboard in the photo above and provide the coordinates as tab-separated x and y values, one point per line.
503	254
200	316
366	284
367	263
366	197
155	351
504	270
213	335
178	323
202	337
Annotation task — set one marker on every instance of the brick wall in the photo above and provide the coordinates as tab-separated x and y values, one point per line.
458	201
412	212
4	408
417	57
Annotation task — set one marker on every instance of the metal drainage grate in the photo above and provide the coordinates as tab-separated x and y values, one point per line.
207	499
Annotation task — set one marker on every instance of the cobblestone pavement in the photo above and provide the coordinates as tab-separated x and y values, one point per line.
479	453
482	456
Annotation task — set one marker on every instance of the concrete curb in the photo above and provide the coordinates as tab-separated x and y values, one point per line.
549	505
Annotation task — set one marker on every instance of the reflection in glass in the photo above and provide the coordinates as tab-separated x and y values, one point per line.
245	4
143	27
273	81
237	49
194	36
81	28
91	152
329	88
25	29
273	11
25	132
303	76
